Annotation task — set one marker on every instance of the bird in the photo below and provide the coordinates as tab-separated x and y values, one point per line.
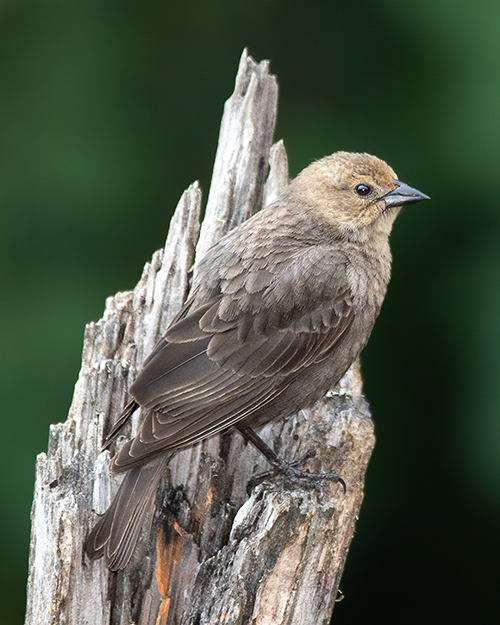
283	305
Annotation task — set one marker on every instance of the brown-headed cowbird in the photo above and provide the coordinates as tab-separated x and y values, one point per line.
284	304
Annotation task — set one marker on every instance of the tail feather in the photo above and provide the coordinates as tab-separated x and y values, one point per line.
117	531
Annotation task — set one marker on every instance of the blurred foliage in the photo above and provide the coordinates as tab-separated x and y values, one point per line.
108	110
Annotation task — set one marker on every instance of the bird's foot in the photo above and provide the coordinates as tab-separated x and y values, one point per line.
289	470
295	476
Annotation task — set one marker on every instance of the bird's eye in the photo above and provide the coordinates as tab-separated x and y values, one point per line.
363	189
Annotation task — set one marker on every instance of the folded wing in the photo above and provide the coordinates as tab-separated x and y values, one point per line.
238	350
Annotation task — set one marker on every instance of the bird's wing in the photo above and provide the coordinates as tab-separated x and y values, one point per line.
235	353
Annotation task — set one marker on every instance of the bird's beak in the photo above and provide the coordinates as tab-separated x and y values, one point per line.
403	194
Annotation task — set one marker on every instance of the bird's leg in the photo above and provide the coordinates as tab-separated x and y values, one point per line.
288	469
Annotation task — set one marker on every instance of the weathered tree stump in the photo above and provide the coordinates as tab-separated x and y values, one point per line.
209	553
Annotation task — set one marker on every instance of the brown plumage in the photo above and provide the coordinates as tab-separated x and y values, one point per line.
284	304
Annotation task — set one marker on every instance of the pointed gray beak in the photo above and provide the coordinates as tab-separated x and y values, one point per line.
403	194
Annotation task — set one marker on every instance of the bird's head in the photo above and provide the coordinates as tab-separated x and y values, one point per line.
358	194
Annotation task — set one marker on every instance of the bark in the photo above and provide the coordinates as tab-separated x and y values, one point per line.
209	553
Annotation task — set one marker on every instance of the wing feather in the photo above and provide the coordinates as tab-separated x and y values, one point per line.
238	349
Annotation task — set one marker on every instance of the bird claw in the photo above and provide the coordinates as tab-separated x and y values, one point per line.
310	453
295	476
312	480
258	479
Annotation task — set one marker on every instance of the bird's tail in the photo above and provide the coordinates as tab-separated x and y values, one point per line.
115	534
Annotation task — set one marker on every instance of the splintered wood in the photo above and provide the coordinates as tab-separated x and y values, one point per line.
209	553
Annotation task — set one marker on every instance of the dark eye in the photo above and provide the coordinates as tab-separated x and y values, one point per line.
363	189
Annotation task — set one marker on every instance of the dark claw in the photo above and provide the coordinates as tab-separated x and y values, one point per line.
258	479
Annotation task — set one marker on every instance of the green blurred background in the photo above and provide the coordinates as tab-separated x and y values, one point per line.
108	110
